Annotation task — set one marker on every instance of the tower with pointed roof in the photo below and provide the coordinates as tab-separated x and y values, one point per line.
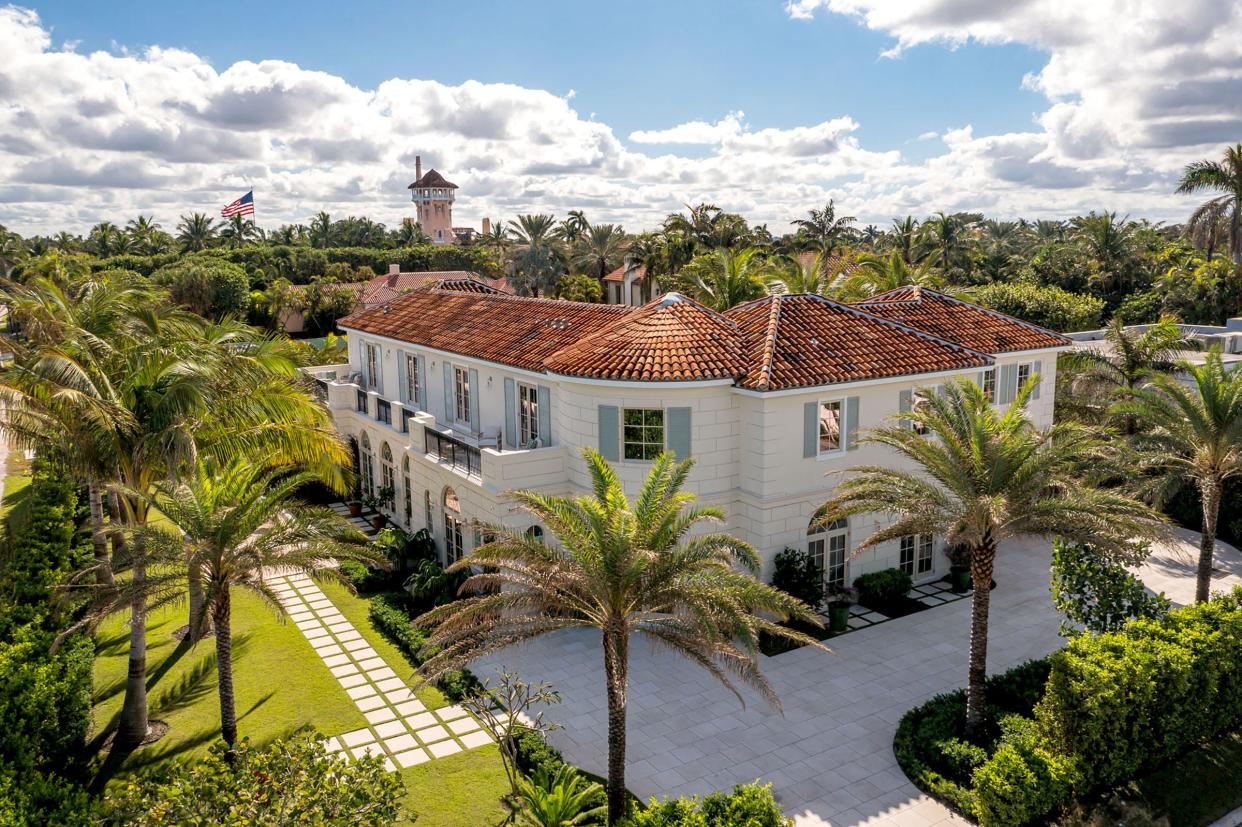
433	198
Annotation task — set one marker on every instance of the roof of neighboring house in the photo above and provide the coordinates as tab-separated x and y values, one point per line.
387	287
672	339
833	264
802	340
619	274
970	325
432	180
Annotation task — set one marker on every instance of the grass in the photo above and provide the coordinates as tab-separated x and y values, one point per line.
281	686
1195	789
16	481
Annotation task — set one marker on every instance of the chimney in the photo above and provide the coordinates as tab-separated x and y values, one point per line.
394	269
487	226
418	167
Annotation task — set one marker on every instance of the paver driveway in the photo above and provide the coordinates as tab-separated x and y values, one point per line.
829	756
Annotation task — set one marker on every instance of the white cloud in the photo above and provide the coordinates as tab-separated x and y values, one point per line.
86	137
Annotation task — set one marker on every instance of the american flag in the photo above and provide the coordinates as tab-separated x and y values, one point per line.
242	206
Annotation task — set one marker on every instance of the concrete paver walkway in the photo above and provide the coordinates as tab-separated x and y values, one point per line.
829	756
399	727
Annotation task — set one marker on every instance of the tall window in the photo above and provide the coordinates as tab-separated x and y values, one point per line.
528	414
387	477
829	426
413	391
643	433
368	466
1024	376
827	547
989	384
919	402
925	560
461	394
427	511
408	495
372	354
454	543
916	554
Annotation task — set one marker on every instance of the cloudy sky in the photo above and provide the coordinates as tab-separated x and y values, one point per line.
767	107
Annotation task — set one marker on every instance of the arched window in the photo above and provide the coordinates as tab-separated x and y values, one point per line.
829	546
387	477
407	495
454	541
535	533
368	466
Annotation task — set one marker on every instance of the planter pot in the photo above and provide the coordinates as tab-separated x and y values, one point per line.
959	576
838	617
355	509
378	521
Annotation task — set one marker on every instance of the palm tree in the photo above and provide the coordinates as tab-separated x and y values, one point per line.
875	274
725	278
599	250
410	234
806	273
537	266
985	477
574	228
1207	224
238	232
320	233
824	229
12	252
143	231
1224	176
233	521
904	237
1192	435
196	232
1110	241
947	235
107	239
622	569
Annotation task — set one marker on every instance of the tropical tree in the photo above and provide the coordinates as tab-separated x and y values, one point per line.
946	234
725	278
235	519
708	227
239	231
904	236
574	228
106	239
599	250
1191	434
874	274
537	265
1110	242
824	229
560	798
320	233
143	230
805	273
624	569
1223	176
196	232
410	234
12	252
982	478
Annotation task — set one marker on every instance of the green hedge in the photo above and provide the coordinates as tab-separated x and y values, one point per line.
390	615
1023	781
1049	307
748	805
882	588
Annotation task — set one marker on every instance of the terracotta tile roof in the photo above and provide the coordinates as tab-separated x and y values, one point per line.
967	324
671	339
619	274
432	180
521	332
800	340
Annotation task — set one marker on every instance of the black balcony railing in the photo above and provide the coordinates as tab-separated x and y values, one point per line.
461	456
383	411
362	402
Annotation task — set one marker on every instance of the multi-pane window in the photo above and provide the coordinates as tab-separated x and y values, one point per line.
368	466
925	560
413	391
372	363
461	394
919	402
1024	376
386	471
427	509
409	496
643	433
528	414
916	554
988	383
827	547
535	533
454	545
829	426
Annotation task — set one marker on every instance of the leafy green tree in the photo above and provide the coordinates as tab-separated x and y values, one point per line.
537	265
748	805
1096	593
824	230
320	232
239	232
580	288
725	278
599	250
874	274
946	234
12	252
1049	307
1224	176
983	478
622	569
208	286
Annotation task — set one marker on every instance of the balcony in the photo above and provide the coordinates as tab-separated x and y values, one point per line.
360	402
383	411
454	452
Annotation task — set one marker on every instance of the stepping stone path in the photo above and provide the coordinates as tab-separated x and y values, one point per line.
400	728
934	593
362	523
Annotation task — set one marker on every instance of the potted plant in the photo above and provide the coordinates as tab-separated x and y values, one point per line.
355	505
839	599
959	567
381	499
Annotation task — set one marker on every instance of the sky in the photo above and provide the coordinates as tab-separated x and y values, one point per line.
1038	108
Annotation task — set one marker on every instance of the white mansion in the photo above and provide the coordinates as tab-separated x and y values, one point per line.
455	394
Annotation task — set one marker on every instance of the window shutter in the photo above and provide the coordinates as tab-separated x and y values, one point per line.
1007	381
1038	372
511	434
904	404
810	429
979	378
449	407
403	382
421	366
474	400
679	432
851	423
545	414
609	433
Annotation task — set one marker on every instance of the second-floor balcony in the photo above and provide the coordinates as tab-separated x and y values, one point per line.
454	452
383	411
361	403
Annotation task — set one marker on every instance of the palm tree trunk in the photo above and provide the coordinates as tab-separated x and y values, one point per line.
99	537
224	667
198	622
616	672
134	719
1210	495
982	563
116	535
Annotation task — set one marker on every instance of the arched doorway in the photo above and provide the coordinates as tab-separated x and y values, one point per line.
454	542
368	466
388	479
828	546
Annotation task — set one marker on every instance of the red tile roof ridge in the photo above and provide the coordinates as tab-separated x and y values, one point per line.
918	297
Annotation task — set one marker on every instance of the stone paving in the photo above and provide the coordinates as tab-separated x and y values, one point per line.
362	523
932	594
829	754
399	726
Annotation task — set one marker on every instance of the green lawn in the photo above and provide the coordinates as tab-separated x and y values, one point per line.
281	685
1195	789
16	480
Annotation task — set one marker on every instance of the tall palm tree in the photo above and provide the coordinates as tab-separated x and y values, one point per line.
1110	241
320	232
537	265
806	273
1192	435
824	229
574	228
236	519
12	252
1223	176
143	231
904	236
623	569
874	274
725	278
107	239
410	234
985	477
196	232
239	231
599	250
946	234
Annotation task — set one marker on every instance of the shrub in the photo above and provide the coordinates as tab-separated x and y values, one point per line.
748	805
1096	593
880	589
580	288
390	615
355	573
292	781
796	573
1049	307
1022	781
534	753
206	285
34	799
430	585
458	685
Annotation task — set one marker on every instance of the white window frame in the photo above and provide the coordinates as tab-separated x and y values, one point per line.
1029	368
989	378
829	548
454	538
461	394
842	427
388	477
905	559
528	414
413	390
371	363
368	465
919	399
925	556
643	442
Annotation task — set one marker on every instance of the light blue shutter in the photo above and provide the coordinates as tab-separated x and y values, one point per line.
449	408
679	432
421	367
810	428
474	400
511	434
851	423
403	380
1039	367
905	401
545	414
609	433
1007	380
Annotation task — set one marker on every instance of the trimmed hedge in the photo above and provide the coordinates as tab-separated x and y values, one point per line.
747	805
390	615
1049	307
883	588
